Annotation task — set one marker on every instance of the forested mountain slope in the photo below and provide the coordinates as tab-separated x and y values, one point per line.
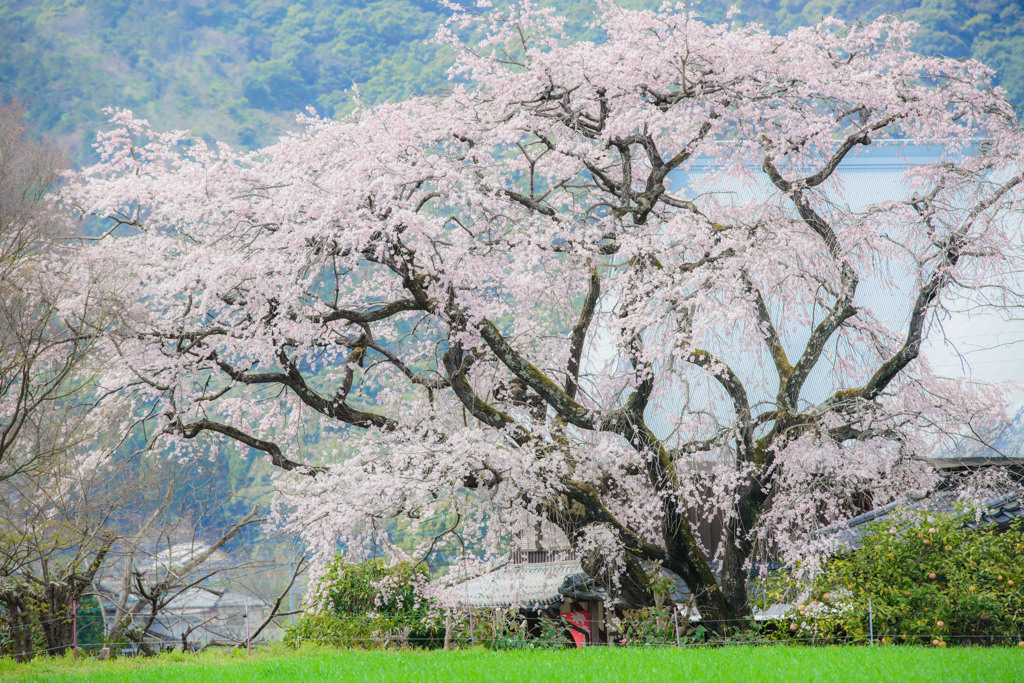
237	69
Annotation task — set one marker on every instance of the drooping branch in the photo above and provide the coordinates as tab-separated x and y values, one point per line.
455	368
638	399
951	252
591	510
431	383
841	311
769	333
862	136
368	315
729	381
335	407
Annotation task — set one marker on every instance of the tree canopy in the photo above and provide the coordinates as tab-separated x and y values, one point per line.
513	304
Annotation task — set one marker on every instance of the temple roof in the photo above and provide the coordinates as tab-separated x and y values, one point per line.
535	585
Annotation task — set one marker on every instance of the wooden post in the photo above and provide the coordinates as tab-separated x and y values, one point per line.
675	616
74	627
871	622
448	631
248	640
598	623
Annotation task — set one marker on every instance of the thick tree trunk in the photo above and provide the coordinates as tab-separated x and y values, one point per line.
55	603
734	582
55	618
738	549
716	611
19	625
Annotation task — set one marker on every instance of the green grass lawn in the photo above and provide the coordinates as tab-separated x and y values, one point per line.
778	663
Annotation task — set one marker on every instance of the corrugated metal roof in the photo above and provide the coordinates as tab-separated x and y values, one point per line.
195	599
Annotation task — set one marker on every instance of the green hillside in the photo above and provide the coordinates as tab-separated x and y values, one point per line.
237	70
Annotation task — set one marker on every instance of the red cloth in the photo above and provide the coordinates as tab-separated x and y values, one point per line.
581	621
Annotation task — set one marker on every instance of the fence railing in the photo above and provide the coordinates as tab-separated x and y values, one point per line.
508	629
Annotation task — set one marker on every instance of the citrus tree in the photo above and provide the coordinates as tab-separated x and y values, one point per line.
924	578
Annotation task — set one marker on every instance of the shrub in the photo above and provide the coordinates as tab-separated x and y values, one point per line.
929	579
371	604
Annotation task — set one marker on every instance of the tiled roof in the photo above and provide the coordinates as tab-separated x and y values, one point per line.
1000	511
518	585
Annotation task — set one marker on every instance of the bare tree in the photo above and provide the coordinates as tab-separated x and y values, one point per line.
191	562
155	587
145	534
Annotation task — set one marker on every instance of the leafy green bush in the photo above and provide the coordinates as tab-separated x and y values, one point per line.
929	579
373	586
372	605
648	626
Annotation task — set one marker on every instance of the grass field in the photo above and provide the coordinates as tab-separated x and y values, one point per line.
704	664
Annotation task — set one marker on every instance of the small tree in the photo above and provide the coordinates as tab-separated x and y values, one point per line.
371	603
51	546
54	539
